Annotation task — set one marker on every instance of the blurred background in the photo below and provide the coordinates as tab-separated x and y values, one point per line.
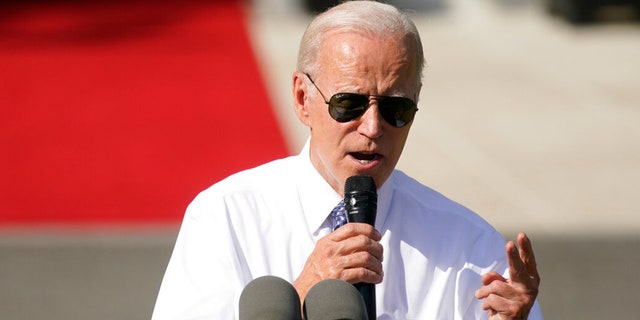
117	113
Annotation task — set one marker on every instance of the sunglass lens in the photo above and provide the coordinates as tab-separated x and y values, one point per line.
397	111
344	107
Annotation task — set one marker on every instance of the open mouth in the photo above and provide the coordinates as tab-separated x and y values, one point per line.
365	157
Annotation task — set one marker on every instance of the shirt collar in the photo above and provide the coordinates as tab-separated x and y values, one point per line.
385	193
317	198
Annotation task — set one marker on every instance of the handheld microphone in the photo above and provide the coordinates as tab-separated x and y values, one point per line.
333	299
269	298
361	204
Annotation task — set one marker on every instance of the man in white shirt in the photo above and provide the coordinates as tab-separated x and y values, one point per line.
358	80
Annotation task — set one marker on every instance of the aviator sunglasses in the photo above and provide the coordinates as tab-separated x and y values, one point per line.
345	107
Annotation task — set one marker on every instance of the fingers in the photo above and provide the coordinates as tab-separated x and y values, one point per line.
357	237
487	280
352	229
527	256
359	253
351	253
503	299
516	266
522	262
362	267
515	296
508	309
497	286
489	277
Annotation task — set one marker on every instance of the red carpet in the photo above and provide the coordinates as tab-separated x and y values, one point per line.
121	111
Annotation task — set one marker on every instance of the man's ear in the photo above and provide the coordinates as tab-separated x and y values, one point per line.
301	97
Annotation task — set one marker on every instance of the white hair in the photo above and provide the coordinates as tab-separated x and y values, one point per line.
365	17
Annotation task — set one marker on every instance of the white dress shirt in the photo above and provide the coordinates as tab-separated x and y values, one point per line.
267	220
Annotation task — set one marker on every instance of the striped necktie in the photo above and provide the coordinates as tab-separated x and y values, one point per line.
339	216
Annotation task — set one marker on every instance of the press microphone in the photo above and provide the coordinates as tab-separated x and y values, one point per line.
333	299
361	204
269	298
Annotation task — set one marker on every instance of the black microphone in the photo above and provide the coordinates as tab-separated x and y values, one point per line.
333	299
269	298
361	204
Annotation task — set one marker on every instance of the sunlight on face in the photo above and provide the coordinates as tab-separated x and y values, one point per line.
367	145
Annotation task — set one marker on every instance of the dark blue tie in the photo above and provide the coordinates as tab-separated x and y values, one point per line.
339	216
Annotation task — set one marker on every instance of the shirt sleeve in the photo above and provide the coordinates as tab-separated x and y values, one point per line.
205	274
536	312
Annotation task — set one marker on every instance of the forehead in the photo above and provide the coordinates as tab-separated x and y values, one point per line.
369	62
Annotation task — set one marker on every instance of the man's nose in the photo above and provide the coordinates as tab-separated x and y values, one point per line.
371	122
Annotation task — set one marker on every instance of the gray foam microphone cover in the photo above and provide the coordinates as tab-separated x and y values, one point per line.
334	300
269	298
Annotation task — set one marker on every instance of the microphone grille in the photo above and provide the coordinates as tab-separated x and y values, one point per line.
359	183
